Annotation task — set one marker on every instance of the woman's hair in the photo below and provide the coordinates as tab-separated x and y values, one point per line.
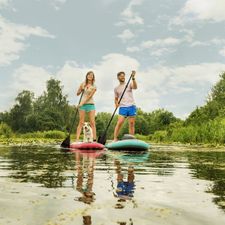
86	80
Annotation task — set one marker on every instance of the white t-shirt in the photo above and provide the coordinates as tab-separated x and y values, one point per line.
128	99
87	92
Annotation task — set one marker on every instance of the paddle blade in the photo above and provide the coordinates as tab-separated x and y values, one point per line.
66	142
102	139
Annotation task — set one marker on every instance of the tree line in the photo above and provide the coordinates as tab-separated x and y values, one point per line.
52	111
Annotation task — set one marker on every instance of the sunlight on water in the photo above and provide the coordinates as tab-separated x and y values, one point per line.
165	185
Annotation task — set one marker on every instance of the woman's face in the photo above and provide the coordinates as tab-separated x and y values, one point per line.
90	76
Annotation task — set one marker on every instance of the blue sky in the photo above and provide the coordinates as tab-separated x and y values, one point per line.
177	48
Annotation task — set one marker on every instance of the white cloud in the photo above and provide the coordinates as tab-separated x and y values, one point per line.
201	10
57	4
3	3
222	52
129	16
105	72
126	35
13	39
154	84
157	47
170	41
133	49
28	77
161	51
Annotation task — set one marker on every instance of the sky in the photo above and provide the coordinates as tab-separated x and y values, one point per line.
177	48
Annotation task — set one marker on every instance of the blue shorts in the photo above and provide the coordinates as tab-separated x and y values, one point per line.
125	188
87	107
128	111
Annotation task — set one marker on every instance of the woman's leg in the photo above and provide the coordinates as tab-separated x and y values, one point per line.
80	124
92	122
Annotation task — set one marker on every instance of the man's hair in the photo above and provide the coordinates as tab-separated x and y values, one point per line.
121	72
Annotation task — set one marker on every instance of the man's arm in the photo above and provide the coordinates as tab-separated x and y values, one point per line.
134	83
116	102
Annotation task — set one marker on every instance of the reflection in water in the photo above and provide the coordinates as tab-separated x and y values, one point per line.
87	220
168	187
85	176
85	165
125	180
45	166
210	166
125	189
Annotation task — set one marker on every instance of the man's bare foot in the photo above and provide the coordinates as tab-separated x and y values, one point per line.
115	140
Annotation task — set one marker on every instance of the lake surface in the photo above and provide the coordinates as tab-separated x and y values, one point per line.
166	185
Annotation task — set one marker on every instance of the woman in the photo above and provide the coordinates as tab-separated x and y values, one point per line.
87	103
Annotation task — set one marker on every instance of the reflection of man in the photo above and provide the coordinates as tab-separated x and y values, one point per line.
87	220
125	189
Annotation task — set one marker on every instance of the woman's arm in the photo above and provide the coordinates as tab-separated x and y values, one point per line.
88	97
80	89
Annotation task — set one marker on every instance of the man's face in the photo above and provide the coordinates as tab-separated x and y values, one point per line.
121	77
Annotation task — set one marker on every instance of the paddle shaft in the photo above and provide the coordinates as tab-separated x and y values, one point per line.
117	106
76	113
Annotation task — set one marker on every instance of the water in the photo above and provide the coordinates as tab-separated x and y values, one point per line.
167	185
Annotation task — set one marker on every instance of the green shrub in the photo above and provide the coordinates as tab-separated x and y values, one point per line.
54	134
5	130
51	134
160	136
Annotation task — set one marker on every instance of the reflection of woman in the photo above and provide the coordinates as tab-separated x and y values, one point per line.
87	104
85	189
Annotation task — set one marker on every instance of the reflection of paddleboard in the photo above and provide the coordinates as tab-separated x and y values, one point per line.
135	158
130	157
128	145
86	146
88	153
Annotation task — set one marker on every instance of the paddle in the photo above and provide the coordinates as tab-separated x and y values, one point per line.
66	142
102	138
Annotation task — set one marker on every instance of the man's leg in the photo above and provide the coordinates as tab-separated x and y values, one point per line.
119	124
131	125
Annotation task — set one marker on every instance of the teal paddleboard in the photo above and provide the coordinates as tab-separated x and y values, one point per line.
129	145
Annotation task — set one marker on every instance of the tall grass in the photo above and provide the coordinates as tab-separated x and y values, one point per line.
212	132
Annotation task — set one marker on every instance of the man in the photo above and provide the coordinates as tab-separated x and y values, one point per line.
127	108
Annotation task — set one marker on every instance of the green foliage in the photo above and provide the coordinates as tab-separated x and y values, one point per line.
159	136
48	112
51	134
102	120
5	130
215	105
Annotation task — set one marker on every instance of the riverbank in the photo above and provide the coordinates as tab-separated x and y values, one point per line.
156	146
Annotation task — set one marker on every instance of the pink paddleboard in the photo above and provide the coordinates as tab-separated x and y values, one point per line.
87	145
89	153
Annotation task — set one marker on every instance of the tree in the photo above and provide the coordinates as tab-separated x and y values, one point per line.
20	111
52	109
